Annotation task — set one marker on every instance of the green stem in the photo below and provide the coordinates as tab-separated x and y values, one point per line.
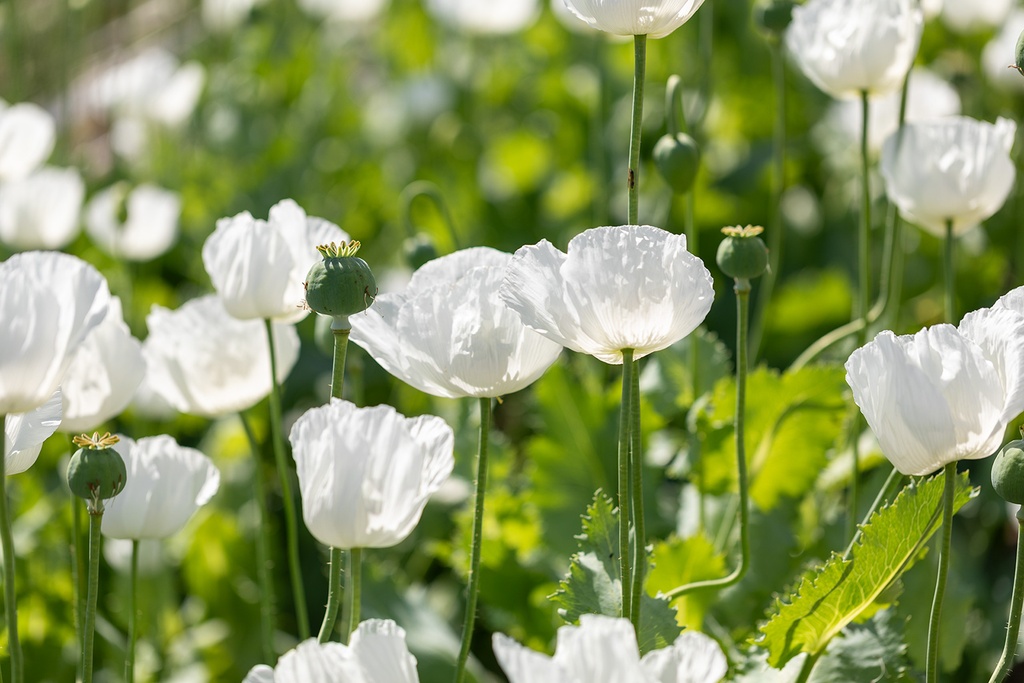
808	667
479	495
133	587
283	472
425	188
1016	602
636	458
950	294
892	483
625	575
633	179
334	568
864	234
353	589
263	560
10	593
932	670
742	289
78	570
95	519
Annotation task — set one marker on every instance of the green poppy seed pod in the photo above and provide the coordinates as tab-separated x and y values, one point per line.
418	250
772	17
1008	472
677	158
96	471
742	255
1018	53
342	283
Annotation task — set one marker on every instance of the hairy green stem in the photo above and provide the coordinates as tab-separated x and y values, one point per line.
95	520
625	575
742	289
949	299
10	592
353	592
932	666
893	482
263	559
283	472
133	594
633	179
478	529
636	458
1016	602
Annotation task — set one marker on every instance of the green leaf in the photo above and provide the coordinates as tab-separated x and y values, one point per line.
667	381
681	561
874	652
593	585
830	597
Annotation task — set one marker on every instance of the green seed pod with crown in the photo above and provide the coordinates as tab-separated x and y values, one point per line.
742	254
677	158
1008	472
96	471
342	283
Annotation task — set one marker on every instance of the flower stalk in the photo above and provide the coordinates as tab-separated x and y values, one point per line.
10	594
949	298
95	520
934	621
353	592
625	419
1013	626
639	75
133	587
636	459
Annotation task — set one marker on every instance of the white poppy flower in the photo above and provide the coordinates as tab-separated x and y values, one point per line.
971	15
49	302
494	17
604	650
846	47
943	394
165	486
41	211
258	267
150	226
27	136
25	433
627	287
205	362
104	374
376	653
449	334
175	100
955	169
344	10
365	474
654	18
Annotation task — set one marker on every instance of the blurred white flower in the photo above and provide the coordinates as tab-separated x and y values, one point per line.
150	227
365	474
41	210
165	486
205	362
376	653
258	267
566	17
494	17
604	650
104	373
49	302
945	393
1001	52
449	334
25	433
27	136
971	15
627	287
223	16
151	85
655	18
846	47
931	8
955	169
344	10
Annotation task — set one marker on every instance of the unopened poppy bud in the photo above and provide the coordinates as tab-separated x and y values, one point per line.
418	250
1018	54
677	158
96	471
1008	472
342	283
742	254
773	16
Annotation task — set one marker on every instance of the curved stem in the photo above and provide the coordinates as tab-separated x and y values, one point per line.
1016	602
636	458
625	575
888	488
807	668
425	188
742	289
675	112
950	271
10	592
478	529
95	519
334	568
133	588
283	471
263	560
932	670
353	591
633	179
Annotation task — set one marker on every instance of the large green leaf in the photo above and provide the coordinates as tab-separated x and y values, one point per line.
828	598
874	652
593	586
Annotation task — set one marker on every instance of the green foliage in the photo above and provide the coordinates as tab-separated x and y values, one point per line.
593	584
829	597
678	562
874	652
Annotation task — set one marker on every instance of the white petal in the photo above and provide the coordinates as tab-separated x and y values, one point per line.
261	673
523	665
692	658
27	136
312	662
150	228
24	434
999	332
656	18
41	211
494	17
600	650
379	646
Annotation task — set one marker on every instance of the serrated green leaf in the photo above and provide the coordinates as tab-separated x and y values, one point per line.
593	585
874	652
830	597
681	561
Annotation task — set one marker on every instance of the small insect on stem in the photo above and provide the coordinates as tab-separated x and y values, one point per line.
631	183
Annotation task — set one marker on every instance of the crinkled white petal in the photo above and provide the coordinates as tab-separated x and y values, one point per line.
27	136
523	665
150	227
692	658
205	362
41	210
601	649
25	433
655	18
311	662
379	646
494	17
628	287
957	169
999	333
365	474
